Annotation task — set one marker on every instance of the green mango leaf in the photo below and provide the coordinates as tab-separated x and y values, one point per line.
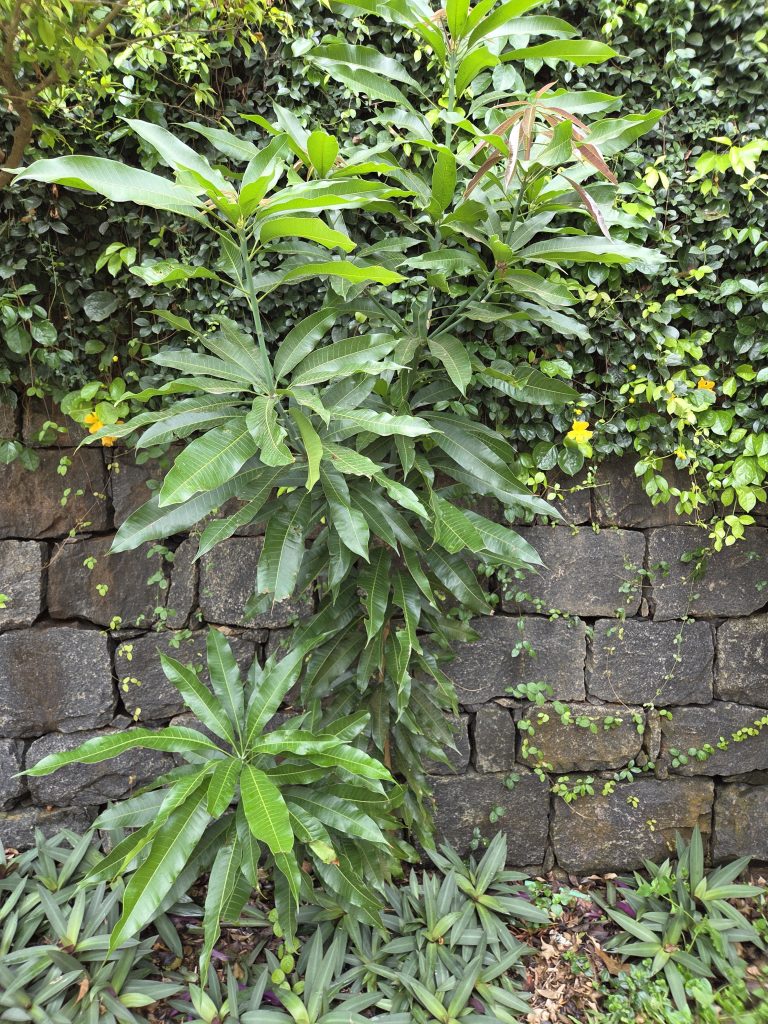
221	884
198	698
169	853
375	583
180	156
265	810
221	788
116	181
575	51
302	338
277	679
169	272
323	150
525	383
283	550
346	271
451	353
312	228
268	433
208	462
313	446
383	423
353	355
175	739
590	249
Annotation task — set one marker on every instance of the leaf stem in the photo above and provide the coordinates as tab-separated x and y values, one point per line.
254	306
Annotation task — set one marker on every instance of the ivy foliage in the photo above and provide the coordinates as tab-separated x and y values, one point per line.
673	368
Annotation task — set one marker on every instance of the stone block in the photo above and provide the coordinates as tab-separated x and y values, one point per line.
568	746
693	727
77	591
17	827
54	680
227	580
731	586
494	739
620	498
37	413
465	803
609	833
742	661
7	420
458	759
182	593
511	651
141	680
642	662
91	783
740	820
585	573
34	504
573	499
11	789
128	483
21	580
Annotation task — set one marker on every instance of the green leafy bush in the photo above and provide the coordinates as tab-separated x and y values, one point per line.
304	790
682	917
357	426
56	965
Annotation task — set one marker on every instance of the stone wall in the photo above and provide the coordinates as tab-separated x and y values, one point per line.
643	658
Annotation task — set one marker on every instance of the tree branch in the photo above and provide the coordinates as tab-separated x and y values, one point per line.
22	101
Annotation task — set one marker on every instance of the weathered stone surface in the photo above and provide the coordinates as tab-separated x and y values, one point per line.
742	661
73	587
17	827
572	497
37	413
620	498
740	823
182	593
494	736
91	783
585	573
7	420
464	803
608	833
693	727
634	662
227	580
143	687
31	502
57	679
571	747
502	658
458	759
11	789
21	576
131	485
731	586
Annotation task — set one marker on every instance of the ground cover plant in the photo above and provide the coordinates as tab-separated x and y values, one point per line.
468	941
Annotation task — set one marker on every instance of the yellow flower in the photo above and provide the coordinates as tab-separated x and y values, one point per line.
94	423
579	432
108	442
706	385
680	453
632	366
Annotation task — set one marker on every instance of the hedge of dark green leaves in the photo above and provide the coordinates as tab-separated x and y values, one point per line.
673	367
